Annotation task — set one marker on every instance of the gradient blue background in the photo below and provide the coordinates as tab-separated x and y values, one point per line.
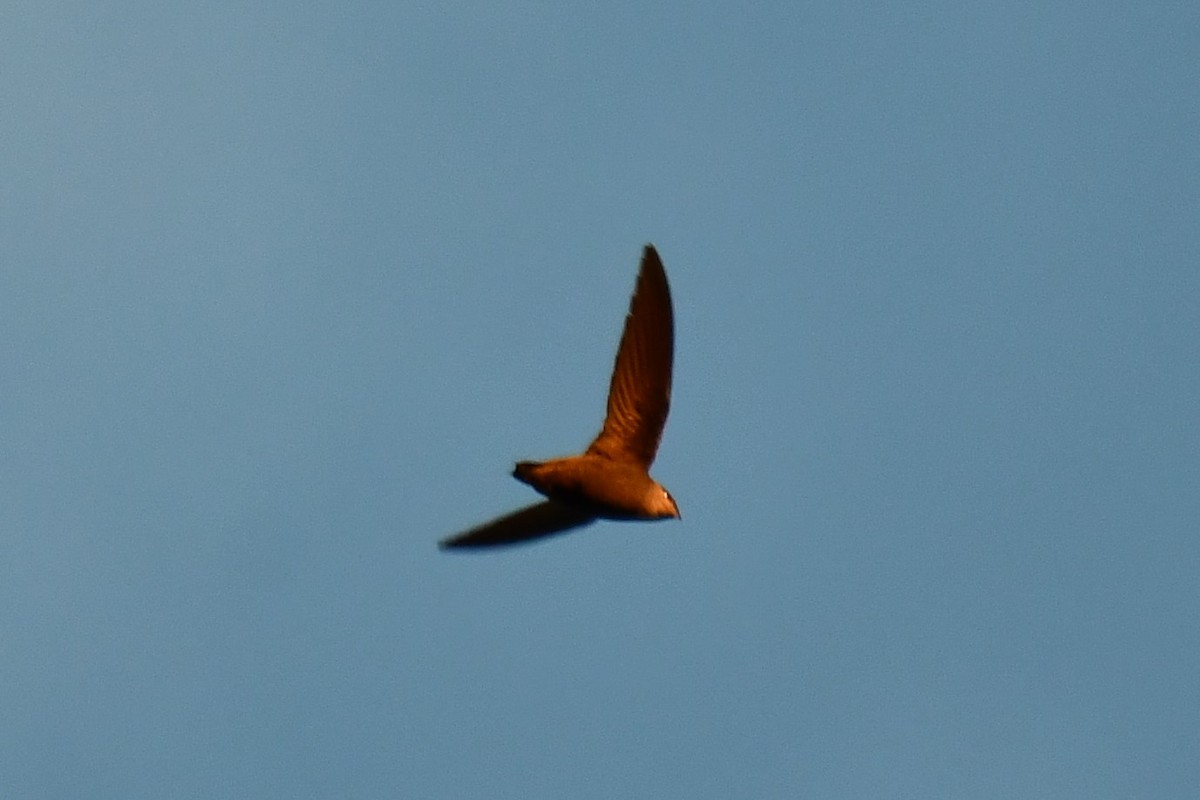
285	290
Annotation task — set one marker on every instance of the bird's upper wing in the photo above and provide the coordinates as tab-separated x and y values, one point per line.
526	524
639	396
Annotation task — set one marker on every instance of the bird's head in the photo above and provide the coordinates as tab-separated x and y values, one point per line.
660	504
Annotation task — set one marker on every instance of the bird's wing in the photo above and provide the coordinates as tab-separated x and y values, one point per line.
639	396
526	524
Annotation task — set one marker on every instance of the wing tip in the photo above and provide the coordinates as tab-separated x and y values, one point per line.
650	254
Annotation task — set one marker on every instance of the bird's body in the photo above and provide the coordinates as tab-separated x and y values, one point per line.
611	479
612	489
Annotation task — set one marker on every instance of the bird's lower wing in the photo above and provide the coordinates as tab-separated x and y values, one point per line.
526	524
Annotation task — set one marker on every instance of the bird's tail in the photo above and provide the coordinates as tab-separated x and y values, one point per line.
524	471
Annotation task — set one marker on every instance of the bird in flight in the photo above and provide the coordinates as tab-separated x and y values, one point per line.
611	479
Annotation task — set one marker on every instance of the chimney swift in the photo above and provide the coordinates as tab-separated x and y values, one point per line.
611	479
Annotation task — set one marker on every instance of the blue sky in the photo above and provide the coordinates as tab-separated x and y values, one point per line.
285	291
